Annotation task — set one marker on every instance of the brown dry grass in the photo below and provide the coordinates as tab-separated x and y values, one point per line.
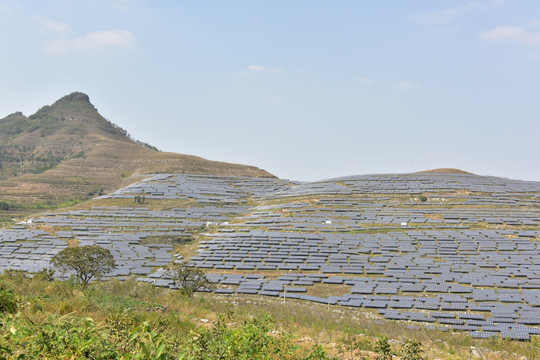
433	216
326	290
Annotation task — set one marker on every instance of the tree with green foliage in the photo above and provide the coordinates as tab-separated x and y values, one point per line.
423	198
88	262
4	206
188	279
140	199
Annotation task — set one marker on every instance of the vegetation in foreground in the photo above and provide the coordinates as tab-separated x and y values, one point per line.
44	318
49	319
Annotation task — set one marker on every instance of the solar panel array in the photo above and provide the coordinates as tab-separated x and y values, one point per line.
465	259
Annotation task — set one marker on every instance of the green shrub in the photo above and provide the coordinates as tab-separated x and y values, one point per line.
383	349
44	275
317	353
15	275
8	300
149	344
352	344
412	350
81	154
58	337
255	339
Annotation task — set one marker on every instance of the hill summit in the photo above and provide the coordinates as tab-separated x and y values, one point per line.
448	171
68	151
72	122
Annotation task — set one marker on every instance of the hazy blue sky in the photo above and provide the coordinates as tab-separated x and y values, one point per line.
304	89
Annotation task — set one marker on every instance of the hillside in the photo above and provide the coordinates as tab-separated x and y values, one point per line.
448	262
68	152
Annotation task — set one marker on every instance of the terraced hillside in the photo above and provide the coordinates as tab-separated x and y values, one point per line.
67	152
444	251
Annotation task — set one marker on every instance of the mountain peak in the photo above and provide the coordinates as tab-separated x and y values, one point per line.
74	105
76	96
74	102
